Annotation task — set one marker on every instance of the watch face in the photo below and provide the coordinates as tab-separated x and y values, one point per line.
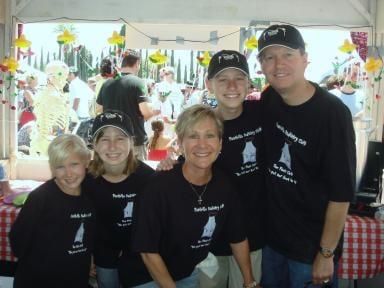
326	252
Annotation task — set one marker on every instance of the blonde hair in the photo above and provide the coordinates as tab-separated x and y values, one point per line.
65	145
96	167
194	114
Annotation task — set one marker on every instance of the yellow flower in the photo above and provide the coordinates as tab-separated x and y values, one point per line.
116	39
205	59
373	65
22	42
347	47
158	58
11	63
251	43
66	37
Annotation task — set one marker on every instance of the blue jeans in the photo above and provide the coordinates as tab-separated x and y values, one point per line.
107	277
279	271
192	281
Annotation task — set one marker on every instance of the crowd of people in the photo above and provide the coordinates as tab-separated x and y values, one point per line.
258	196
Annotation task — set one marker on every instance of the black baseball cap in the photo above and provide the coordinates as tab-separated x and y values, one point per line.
112	118
226	59
281	35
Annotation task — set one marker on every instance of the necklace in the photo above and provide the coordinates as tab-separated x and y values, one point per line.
199	196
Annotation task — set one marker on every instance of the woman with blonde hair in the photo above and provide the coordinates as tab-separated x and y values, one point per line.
117	179
184	210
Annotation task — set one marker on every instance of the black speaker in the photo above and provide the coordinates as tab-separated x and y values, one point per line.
373	170
370	186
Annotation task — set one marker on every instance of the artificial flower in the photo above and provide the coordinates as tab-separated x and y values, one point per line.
116	39
251	43
11	64
158	58
66	37
22	42
205	59
373	65
347	47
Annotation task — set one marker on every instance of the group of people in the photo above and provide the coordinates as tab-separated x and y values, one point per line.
258	198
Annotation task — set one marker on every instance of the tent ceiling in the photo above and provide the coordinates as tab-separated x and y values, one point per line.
218	12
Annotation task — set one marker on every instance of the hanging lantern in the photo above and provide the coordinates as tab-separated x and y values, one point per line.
347	47
116	39
22	42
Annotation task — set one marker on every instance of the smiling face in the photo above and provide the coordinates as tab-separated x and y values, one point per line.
230	88
113	147
70	173
201	145
284	68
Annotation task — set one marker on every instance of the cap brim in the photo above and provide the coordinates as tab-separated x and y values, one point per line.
226	68
114	126
280	45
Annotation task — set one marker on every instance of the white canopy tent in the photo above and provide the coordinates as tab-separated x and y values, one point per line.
198	19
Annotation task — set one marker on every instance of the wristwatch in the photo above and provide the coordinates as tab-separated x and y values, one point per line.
250	285
326	252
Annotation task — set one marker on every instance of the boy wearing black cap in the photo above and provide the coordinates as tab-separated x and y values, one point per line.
311	160
240	157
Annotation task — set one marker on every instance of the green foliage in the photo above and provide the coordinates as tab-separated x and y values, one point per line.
178	73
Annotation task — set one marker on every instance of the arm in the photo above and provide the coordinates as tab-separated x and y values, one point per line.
99	109
158	270
76	103
24	226
28	96
336	214
147	111
241	253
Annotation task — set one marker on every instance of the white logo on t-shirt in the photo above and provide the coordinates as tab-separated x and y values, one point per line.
249	152
285	156
79	234
209	227
128	210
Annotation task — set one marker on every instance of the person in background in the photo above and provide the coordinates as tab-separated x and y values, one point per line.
117	178
176	224
158	145
129	95
28	95
169	88
191	95
80	95
311	166
5	188
53	234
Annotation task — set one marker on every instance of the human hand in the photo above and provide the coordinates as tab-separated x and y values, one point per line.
322	269
92	270
166	164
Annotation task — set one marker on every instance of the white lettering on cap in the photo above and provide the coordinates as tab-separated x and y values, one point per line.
274	32
227	57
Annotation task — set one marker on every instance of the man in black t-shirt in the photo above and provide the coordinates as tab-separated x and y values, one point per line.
129	94
311	166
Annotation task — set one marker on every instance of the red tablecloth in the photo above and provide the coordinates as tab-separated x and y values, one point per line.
363	254
363	250
8	214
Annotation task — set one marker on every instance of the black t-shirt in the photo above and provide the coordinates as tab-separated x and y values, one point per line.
114	204
311	160
125	94
52	237
242	157
172	223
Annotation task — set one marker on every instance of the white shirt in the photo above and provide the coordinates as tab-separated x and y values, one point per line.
79	89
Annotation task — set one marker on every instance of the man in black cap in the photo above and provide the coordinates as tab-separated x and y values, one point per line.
311	166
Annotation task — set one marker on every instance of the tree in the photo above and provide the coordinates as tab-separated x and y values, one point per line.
185	74
178	73
35	63
29	56
191	72
173	58
48	59
41	67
